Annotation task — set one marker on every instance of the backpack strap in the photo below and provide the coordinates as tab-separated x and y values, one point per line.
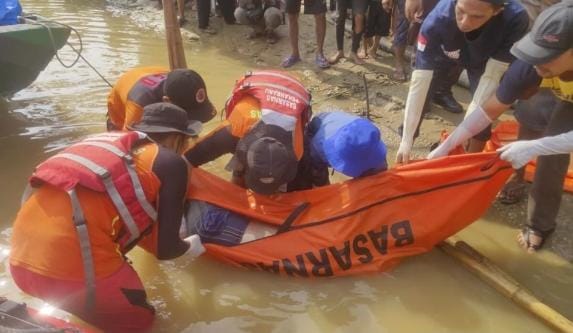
85	249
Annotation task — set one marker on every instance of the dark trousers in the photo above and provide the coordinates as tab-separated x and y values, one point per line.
343	6
204	11
545	195
227	10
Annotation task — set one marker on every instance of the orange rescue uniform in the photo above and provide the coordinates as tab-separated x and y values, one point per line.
44	239
134	90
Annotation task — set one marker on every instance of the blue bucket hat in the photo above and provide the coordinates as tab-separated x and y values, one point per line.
355	147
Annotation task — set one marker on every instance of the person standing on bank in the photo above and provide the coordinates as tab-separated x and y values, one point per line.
545	59
147	85
316	8
359	8
92	203
377	26
475	33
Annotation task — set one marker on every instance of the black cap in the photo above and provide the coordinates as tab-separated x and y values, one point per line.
551	35
268	158
270	164
186	89
166	118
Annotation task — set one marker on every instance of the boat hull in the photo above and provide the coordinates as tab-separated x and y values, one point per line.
26	51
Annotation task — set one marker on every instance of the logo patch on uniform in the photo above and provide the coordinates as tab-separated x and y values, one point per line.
455	54
153	80
422	42
200	96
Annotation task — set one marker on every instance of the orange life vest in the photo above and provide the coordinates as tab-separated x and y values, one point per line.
101	163
283	100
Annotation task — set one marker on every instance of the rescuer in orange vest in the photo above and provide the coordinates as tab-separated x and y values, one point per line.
147	85
91	204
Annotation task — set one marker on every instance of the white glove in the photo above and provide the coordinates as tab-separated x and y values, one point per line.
196	247
419	87
468	128
520	152
403	154
488	83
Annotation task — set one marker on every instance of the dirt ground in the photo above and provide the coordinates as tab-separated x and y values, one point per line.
343	86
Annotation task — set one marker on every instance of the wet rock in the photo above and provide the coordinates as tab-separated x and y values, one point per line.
192	36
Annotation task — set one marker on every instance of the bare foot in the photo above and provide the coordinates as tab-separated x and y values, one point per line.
372	53
356	59
334	59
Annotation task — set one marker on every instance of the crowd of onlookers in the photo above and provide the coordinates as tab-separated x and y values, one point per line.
370	20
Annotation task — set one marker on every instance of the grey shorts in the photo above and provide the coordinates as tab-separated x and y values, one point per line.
313	7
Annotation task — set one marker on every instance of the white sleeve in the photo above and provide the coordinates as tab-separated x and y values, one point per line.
419	87
558	144
520	152
469	127
488	83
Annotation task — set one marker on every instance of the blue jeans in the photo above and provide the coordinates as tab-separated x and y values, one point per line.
215	224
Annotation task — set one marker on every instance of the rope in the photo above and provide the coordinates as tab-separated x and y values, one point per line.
78	52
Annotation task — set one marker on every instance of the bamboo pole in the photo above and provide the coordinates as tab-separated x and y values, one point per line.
505	284
175	50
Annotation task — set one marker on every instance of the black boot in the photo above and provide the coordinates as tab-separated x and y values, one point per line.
448	102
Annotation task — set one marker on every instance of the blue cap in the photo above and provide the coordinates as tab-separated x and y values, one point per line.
355	148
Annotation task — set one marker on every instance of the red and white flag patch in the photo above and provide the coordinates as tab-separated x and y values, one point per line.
422	42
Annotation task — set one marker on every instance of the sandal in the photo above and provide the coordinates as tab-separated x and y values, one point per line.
524	238
290	61
321	62
512	192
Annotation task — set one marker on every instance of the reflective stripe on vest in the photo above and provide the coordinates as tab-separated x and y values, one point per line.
85	249
103	163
